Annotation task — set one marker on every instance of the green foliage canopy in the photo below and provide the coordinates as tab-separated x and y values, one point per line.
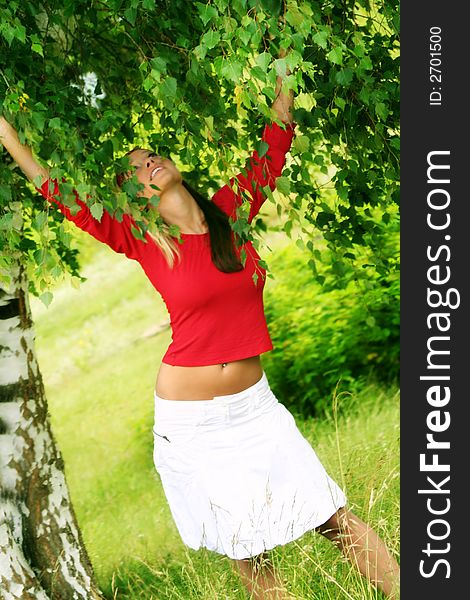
195	81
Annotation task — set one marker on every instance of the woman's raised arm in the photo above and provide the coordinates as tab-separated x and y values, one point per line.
262	171
283	102
21	154
116	234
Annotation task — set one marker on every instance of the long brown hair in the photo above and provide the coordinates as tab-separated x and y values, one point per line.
220	233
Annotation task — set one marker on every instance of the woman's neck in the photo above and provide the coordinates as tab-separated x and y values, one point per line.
178	207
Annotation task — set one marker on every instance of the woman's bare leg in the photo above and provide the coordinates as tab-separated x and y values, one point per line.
259	578
363	547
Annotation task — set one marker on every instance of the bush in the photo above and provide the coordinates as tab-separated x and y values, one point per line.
322	337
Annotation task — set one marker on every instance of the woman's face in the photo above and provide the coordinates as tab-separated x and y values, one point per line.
153	170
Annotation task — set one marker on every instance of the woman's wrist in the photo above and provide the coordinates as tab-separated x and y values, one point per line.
3	127
284	101
20	153
7	132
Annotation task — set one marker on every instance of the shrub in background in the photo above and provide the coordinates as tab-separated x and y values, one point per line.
322	336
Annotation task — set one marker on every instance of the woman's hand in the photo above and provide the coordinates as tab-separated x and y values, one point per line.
21	154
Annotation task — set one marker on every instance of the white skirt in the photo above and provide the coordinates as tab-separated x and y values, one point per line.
237	473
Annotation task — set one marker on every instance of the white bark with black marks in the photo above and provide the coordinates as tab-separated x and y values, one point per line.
42	556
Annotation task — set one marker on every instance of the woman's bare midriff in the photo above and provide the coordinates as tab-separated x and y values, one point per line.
203	383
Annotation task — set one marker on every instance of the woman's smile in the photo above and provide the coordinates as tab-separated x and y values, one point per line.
155	171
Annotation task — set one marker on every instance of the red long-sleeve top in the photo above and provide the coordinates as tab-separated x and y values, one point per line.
215	317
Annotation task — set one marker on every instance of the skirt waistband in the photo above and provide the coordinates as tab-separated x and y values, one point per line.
257	393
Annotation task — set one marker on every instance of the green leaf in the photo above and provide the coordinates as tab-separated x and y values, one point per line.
147	121
288	228
338	267
39	120
345	76
280	66
169	86
174	231
167	90
207	12
5	193
283	185
210	39
293	15
258	73
96	210
301	143
231	70
55	123
131	15
46	298
244	35
6	224
272	7
20	32
364	95
83	189
158	64
40	221
7	33
320	38
262	147
269	194
37	47
381	111
335	56
137	233
263	61
366	63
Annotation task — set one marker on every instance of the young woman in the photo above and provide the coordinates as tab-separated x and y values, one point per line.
239	477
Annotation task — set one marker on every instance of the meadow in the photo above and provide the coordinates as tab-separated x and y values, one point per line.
99	348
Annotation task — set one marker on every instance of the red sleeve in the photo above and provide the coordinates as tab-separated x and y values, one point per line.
259	172
116	235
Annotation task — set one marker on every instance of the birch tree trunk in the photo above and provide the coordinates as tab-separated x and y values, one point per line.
42	556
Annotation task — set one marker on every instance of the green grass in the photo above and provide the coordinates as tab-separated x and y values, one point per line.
99	365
